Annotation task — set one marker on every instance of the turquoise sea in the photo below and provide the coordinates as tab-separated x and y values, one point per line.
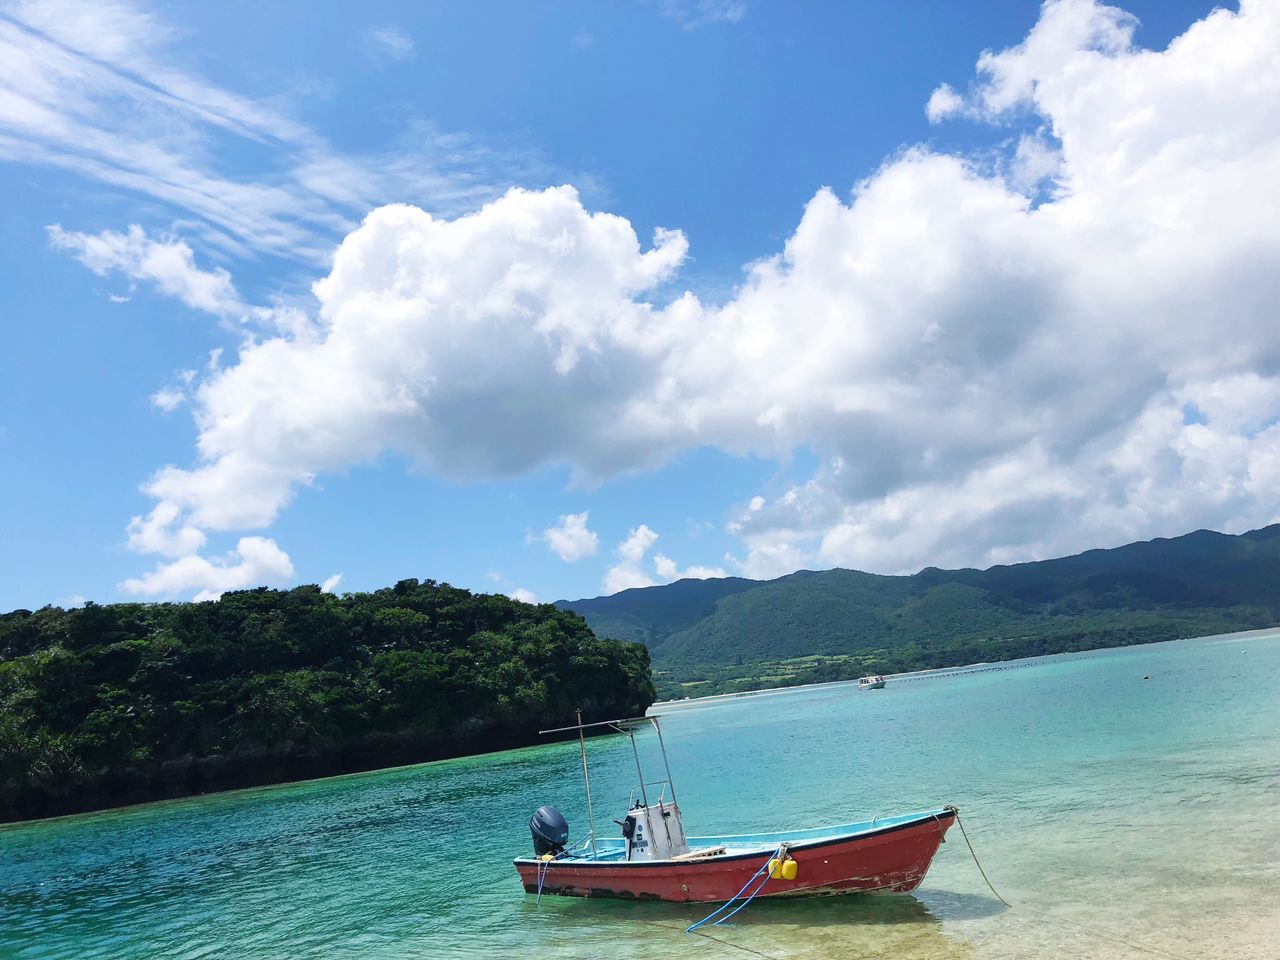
1121	817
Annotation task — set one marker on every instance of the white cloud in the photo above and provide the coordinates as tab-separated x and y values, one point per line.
984	377
628	572
668	570
571	539
637	544
388	43
1071	37
162	532
168	399
72	602
330	584
256	561
523	595
168	264
1034	161
943	102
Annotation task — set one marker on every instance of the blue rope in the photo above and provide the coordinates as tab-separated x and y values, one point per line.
764	868
542	875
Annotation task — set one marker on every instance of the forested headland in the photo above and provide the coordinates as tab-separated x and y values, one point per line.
121	703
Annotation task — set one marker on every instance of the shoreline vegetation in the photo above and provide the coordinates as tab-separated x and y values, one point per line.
676	682
106	706
955	669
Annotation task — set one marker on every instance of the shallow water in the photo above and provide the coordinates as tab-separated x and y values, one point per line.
1119	816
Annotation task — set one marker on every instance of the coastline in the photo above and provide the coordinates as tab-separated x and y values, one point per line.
170	782
310	768
933	672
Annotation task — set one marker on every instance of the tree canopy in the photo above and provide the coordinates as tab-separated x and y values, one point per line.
109	704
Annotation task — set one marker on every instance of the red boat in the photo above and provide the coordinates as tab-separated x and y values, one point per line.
654	860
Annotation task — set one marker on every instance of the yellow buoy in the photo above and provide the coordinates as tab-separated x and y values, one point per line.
789	869
775	868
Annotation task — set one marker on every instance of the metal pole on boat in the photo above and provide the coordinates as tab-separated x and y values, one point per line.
670	783
586	779
639	773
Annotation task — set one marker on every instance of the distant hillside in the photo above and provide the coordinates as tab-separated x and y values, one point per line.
837	623
649	615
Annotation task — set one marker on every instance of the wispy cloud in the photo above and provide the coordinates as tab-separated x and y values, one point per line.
167	264
387	43
692	14
90	88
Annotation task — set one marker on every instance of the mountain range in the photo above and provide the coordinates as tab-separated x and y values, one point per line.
724	634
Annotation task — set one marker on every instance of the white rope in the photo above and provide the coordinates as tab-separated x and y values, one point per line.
1101	934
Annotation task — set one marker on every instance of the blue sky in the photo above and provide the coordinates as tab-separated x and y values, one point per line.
1004	333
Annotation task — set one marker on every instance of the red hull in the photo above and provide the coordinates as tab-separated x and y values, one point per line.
894	859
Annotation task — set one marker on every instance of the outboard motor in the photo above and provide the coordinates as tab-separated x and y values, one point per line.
550	831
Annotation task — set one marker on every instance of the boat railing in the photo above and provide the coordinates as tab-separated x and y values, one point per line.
662	793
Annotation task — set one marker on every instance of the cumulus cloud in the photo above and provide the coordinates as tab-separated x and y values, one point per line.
169	265
1070	36
162	531
987	369
943	102
256	561
330	584
523	595
668	570
571	539
628	572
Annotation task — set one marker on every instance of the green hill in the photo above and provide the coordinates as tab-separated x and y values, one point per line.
713	635
135	701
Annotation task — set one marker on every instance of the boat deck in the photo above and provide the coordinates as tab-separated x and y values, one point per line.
613	849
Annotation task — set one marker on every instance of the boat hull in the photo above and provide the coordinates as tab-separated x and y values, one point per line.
893	860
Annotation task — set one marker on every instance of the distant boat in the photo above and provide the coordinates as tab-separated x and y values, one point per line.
871	683
654	860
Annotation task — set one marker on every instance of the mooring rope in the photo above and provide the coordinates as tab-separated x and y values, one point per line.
976	862
764	868
1102	934
542	875
723	942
